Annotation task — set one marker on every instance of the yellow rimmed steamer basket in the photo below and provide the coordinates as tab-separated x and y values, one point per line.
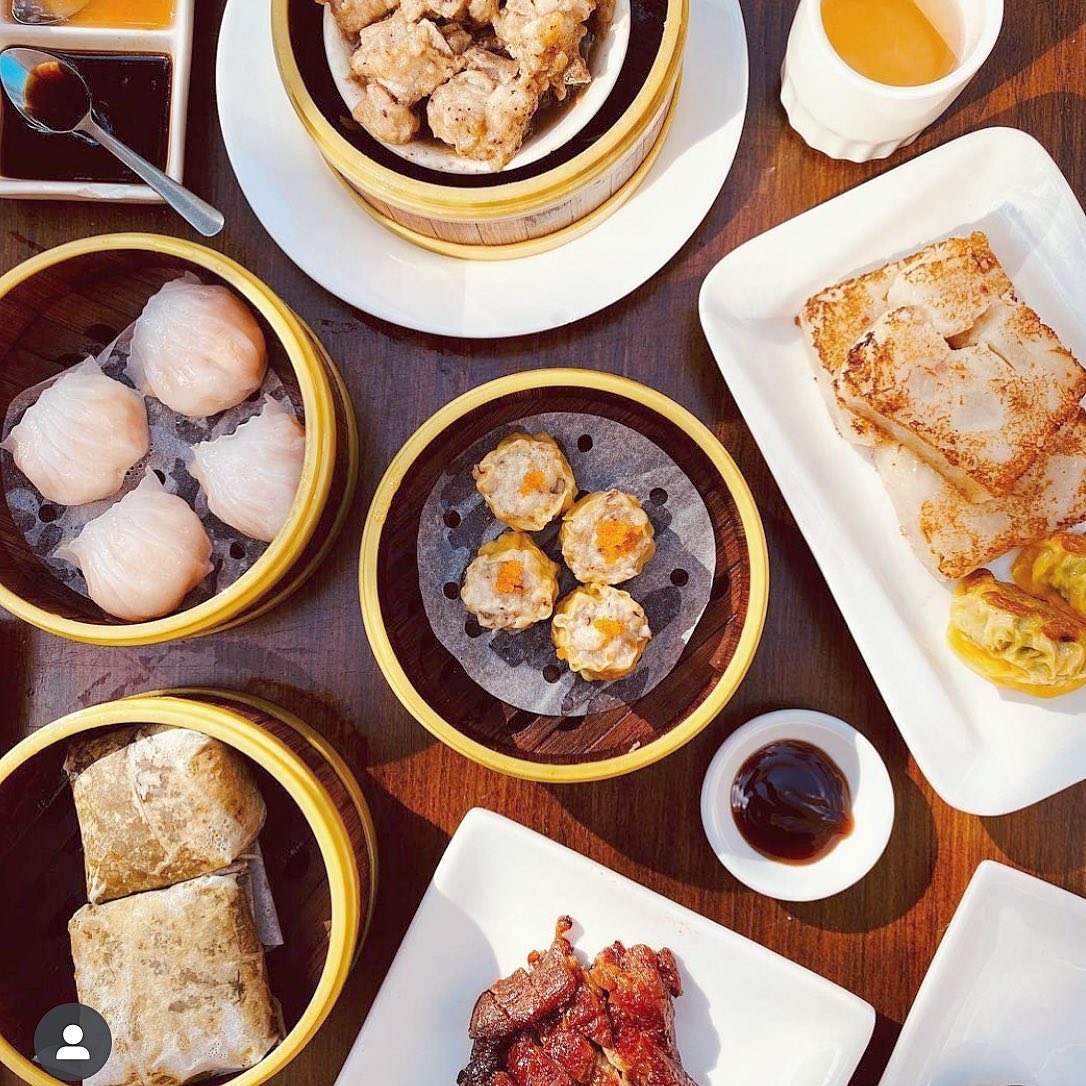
60	305
517	212
314	803
437	691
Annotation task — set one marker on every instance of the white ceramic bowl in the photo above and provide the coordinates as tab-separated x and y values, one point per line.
556	127
872	807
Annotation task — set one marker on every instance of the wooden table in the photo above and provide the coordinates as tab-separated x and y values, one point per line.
876	939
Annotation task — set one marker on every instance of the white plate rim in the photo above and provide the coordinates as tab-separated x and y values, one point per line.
480	822
989	879
478	299
828	542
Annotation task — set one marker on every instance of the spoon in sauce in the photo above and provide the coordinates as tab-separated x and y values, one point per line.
46	12
52	95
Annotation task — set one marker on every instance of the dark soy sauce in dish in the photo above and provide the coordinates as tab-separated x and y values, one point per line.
791	802
131	95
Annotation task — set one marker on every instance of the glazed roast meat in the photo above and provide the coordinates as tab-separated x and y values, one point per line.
559	1024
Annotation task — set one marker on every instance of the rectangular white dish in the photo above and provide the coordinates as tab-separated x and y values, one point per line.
174	41
747	1015
1005	998
985	750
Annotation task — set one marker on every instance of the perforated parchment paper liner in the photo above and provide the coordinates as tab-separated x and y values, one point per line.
47	526
521	669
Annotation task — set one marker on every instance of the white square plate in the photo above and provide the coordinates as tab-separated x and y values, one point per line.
746	1015
1005	998
984	750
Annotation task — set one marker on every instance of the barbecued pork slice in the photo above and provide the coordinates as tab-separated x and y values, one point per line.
529	995
641	986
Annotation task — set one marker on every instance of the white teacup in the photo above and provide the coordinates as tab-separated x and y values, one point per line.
844	114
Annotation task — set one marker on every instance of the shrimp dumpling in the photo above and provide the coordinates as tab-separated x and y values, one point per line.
198	349
142	556
251	476
79	439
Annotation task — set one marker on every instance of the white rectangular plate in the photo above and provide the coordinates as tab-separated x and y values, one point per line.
1005	998
746	1015
984	750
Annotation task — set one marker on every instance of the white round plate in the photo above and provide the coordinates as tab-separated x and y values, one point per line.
319	225
555	126
872	807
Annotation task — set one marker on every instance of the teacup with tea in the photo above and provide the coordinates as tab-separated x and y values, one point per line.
863	77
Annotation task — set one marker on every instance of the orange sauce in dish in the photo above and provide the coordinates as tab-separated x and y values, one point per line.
122	14
901	43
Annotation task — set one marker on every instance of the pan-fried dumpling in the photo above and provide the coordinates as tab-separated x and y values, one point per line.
198	349
1056	569
79	439
1015	639
142	556
251	476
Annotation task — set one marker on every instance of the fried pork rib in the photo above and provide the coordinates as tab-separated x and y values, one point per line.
557	1024
486	110
544	37
354	15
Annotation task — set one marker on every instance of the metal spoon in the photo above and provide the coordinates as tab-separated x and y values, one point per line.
52	95
45	12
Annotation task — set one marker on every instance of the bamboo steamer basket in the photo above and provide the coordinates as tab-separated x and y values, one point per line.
437	691
519	211
319	846
64	303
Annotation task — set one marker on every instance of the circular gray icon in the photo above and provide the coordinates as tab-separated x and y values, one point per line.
72	1042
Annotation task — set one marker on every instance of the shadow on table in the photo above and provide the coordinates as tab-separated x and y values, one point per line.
1041	838
898	881
1016	51
878	1052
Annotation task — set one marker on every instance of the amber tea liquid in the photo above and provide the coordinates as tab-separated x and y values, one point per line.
901	43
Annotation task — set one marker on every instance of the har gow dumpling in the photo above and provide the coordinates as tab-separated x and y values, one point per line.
251	476
79	439
142	556
198	349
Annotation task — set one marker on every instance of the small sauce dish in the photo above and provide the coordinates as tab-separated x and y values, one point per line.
851	857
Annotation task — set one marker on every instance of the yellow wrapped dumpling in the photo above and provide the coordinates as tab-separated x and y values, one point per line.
1055	568
607	538
600	632
511	584
526	481
1016	639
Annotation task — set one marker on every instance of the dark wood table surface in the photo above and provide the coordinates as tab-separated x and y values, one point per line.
311	655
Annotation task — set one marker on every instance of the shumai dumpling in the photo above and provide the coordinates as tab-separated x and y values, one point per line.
251	476
1056	569
600	631
198	349
526	481
511	584
82	435
142	556
607	538
1016	639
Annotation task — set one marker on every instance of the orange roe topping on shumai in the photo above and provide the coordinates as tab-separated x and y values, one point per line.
510	577
532	483
609	627
616	538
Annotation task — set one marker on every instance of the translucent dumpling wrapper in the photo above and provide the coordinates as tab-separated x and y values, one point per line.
198	349
142	556
80	438
251	476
